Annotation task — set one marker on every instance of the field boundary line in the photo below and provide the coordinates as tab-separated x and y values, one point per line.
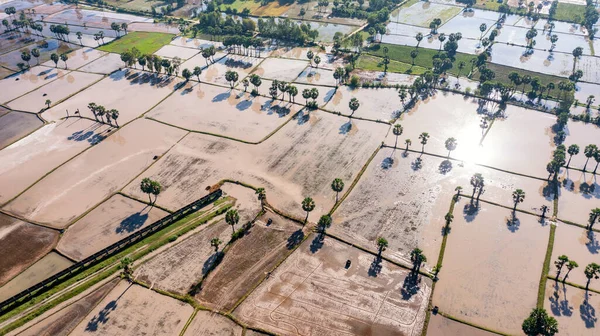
546	268
550	277
355	180
21	218
142	201
189	321
456	319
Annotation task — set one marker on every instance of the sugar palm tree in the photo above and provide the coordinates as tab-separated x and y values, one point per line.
262	196
146	187
592	271
573	150
48	103
424	137
197	72
597	159
114	114
156	189
458	190
64	58
337	185
382	244
594	216
451	144
215	242
397	130
54	57
559	263
518	197
419	38
127	267
232	217
570	266
308	205
540	323
477	181
324	223
417	258
354	104
589	152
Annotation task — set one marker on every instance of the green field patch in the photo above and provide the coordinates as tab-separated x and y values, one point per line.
374	63
145	42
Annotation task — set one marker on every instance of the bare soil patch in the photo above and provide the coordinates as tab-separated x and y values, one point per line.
44	268
194	43
44	150
573	308
182	266
55	91
22	244
212	324
134	310
15	125
131	92
64	321
580	245
280	69
171	51
441	326
96	174
503	261
317	76
378	104
579	193
313	293
104	65
111	221
240	271
218	110
15	86
300	160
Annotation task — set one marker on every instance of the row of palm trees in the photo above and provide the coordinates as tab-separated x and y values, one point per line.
590	151
591	271
104	113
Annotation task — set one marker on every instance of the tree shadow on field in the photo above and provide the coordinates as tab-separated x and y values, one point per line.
445	167
317	243
410	286
593	245
470	211
221	97
513	223
588	313
557	306
346	128
375	267
212	262
243	105
103	315
132	223
302	117
295	239
387	163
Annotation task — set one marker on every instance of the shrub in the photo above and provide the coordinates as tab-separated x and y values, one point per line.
354	81
172	239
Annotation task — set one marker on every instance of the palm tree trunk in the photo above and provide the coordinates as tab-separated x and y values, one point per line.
597	163
586	162
149	199
232	228
306	219
566	275
569	162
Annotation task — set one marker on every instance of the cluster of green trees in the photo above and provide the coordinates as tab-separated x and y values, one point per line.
102	112
150	187
155	63
60	31
118	28
376	13
283	88
591	271
23	23
241	45
212	23
540	323
558	160
287	30
590	17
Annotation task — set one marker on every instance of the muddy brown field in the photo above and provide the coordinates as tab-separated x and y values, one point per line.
182	266
211	324
111	221
15	86
298	161
240	271
96	174
280	69
573	308
134	310
217	110
491	270
441	326
104	65
16	235
64	321
579	193
15	125
313	293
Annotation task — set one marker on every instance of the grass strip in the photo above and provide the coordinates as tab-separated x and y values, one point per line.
546	268
149	244
450	317
573	284
146	42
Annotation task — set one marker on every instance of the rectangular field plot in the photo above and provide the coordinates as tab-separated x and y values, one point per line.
17	85
240	271
580	245
313	293
502	149
441	326
514	56
406	204
21	245
582	134
579	193
133	310
61	322
131	92
300	160
11	59
78	58
422	13
96	174
182	266
280	69
573	308
502	263
44	150
44	268
217	110
171	51
13	41
194	43
104	65
468	26
55	91
590	65
215	73
114	219
15	125
208	323
317	76
376	104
